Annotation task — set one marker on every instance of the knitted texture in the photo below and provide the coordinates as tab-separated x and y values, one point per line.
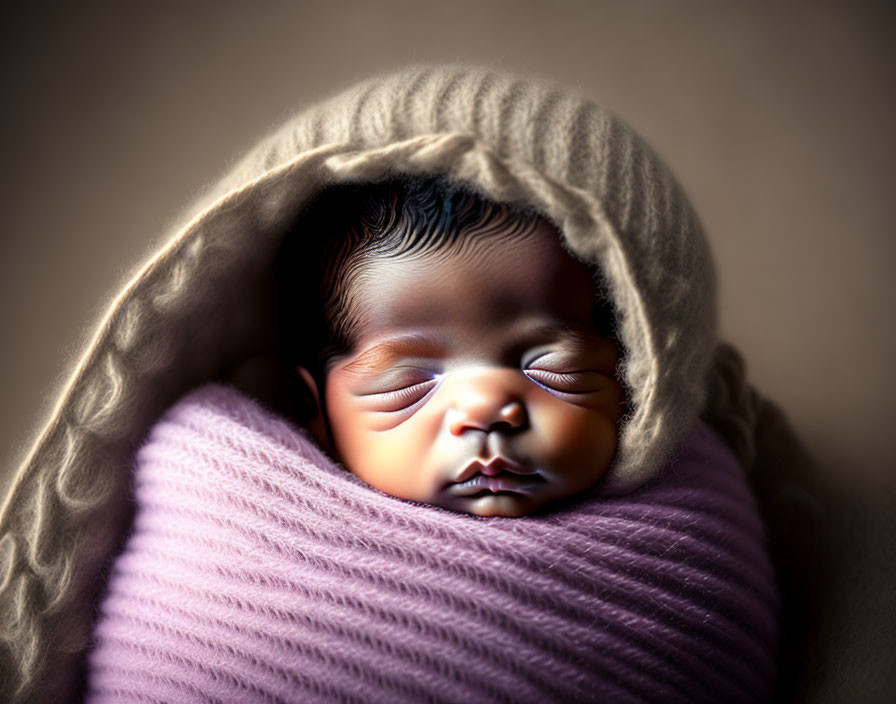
199	307
260	571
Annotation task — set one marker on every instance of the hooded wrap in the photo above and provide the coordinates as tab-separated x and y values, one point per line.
201	309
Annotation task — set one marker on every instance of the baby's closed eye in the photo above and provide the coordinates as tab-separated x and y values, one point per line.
397	392
582	381
568	371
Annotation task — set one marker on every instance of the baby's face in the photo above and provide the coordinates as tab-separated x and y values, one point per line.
478	380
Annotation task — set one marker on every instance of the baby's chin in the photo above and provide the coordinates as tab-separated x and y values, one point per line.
503	503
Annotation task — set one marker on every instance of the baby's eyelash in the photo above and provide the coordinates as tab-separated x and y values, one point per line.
405	392
403	398
560	381
562	376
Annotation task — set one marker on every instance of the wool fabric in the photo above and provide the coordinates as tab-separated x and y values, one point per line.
258	570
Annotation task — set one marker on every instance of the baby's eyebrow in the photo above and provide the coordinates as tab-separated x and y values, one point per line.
558	331
384	354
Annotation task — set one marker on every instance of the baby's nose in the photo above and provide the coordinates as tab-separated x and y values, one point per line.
487	402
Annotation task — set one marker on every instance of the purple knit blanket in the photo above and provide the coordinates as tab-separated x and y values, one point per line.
258	570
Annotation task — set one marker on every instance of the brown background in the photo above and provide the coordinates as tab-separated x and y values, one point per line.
777	117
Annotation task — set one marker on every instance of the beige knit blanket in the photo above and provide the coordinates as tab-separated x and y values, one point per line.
201	308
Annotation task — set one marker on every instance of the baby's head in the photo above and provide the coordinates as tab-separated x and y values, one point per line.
463	357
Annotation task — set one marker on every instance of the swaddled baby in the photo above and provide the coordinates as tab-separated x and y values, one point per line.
532	512
464	358
463	362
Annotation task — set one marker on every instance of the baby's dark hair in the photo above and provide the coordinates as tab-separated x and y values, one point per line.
347	224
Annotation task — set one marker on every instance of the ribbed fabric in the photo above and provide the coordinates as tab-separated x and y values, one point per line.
258	570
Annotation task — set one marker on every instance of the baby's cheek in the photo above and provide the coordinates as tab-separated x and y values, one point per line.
610	400
572	436
394	460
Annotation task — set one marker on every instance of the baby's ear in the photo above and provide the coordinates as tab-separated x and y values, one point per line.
317	420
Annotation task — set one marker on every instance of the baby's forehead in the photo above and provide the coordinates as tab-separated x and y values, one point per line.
476	281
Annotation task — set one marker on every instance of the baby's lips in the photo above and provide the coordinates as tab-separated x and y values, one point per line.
470	469
499	474
503	483
492	467
499	464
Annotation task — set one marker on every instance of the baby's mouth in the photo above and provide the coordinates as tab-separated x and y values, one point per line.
496	475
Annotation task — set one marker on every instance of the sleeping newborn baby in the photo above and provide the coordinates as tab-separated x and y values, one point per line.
498	485
451	372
